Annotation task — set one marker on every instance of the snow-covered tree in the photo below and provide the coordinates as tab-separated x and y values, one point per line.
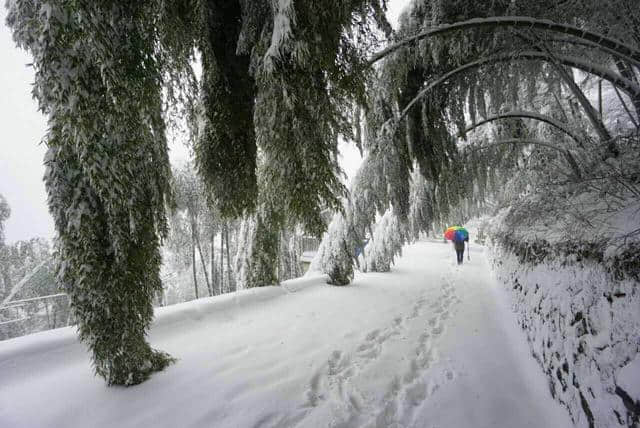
99	79
290	252
190	197
335	256
5	213
389	236
421	211
244	251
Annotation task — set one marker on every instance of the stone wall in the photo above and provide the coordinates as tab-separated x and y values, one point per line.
582	321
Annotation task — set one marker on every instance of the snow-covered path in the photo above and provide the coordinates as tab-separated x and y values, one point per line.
430	344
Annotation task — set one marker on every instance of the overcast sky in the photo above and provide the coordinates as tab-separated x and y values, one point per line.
22	128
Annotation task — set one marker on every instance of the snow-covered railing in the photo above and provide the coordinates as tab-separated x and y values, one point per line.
14	321
308	243
16	288
32	299
35	309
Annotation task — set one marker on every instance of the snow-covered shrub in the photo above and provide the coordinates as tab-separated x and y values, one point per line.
334	257
267	259
388	238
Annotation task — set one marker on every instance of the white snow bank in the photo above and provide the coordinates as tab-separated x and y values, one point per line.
195	310
583	328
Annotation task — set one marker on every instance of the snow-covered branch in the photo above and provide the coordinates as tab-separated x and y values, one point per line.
615	79
529	141
613	46
528	115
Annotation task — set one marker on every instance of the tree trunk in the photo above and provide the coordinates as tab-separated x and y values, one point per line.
627	72
231	285
221	262
236	232
46	309
600	98
624	104
213	266
6	280
229	111
560	108
193	262
591	113
55	315
162	296
204	264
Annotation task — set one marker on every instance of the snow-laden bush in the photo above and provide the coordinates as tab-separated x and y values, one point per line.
334	257
388	238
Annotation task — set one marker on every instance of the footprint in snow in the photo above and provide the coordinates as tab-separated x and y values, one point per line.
313	393
338	363
449	374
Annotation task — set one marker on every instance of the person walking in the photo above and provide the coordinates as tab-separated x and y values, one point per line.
458	235
459	246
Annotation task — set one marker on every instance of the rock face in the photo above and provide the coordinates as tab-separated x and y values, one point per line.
583	325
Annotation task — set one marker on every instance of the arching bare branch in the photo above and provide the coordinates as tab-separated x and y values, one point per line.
529	141
627	86
525	141
613	46
528	115
578	93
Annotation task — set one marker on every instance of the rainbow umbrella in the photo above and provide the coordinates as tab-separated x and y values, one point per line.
456	233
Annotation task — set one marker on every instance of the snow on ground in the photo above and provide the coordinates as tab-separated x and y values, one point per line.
430	344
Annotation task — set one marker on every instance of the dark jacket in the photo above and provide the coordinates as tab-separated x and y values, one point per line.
459	245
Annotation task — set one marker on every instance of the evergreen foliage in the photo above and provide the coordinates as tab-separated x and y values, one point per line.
422	209
99	79
264	250
298	63
335	257
290	251
386	243
226	149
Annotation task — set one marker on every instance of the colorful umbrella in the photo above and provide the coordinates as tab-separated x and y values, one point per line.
456	233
